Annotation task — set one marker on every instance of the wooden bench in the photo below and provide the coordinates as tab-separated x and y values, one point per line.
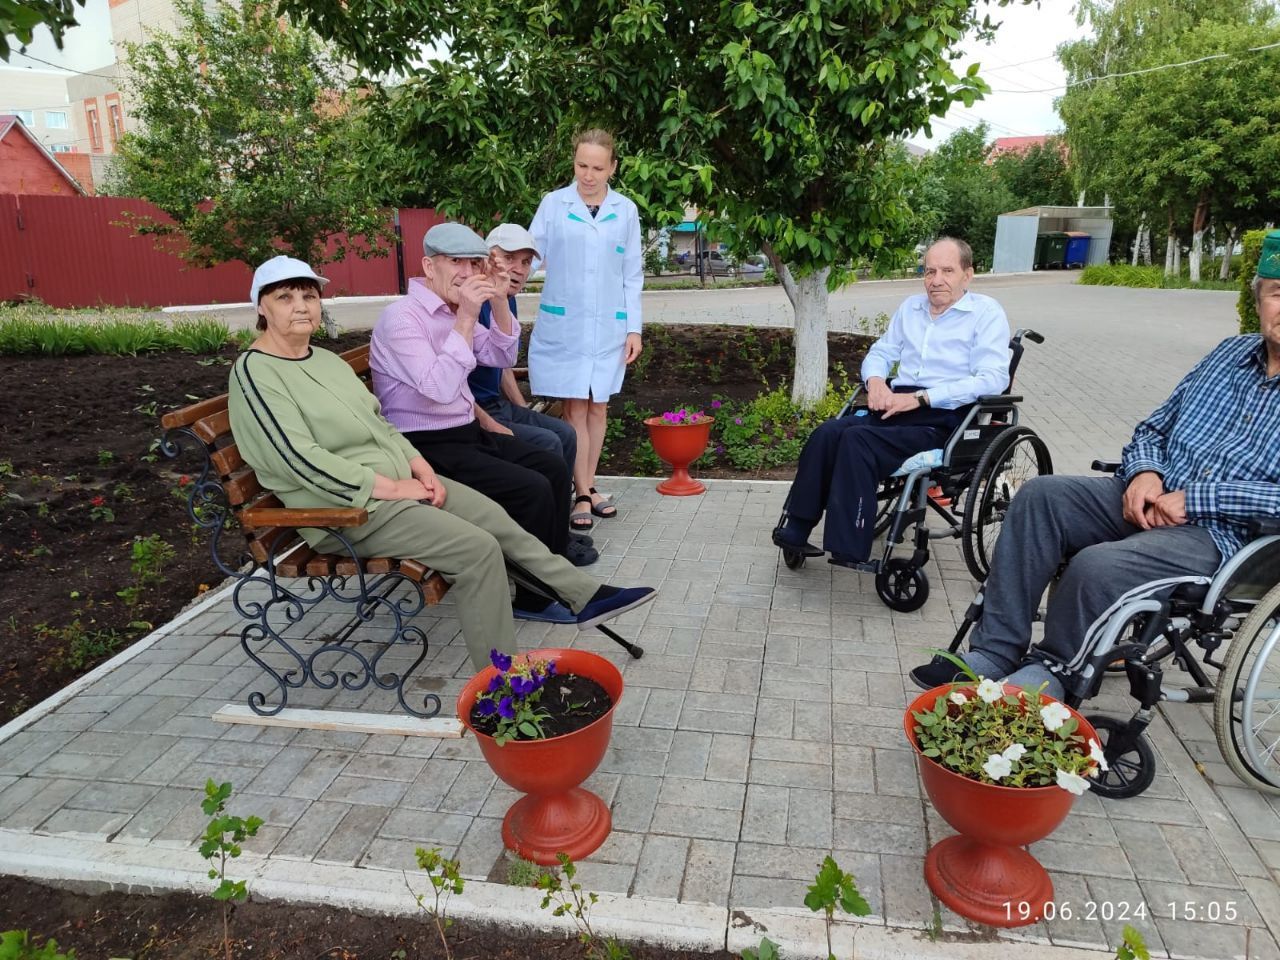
225	494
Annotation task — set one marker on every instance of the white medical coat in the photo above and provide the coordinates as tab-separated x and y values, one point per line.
591	296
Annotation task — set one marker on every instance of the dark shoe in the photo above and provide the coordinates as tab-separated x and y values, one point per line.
604	509
784	538
581	538
553	612
935	673
580	521
610	602
862	566
581	554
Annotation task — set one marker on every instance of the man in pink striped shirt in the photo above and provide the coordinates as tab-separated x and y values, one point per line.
424	347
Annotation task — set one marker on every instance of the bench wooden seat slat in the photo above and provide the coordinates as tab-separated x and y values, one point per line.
241	486
227	460
295	564
215	425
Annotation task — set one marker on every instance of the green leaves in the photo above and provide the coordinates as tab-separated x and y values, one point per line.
1133	946
222	838
833	888
768	950
17	945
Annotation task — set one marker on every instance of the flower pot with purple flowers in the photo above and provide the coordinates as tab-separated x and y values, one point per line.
680	437
543	722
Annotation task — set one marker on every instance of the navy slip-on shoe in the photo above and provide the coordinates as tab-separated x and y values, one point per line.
598	611
786	539
553	612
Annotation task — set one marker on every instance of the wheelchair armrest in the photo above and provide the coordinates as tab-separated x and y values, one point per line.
1264	527
999	399
1105	466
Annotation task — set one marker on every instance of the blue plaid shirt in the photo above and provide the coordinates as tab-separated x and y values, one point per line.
1216	438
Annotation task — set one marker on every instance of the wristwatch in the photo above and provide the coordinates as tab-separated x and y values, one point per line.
922	396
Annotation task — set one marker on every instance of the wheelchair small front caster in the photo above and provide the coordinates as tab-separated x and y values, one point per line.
1127	774
794	559
902	585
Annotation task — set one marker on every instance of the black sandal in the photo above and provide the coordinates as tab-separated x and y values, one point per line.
606	510
579	521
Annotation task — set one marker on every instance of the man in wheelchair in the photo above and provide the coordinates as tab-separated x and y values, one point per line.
950	346
1197	471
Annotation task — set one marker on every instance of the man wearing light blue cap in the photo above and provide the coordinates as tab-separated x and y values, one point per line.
1193	476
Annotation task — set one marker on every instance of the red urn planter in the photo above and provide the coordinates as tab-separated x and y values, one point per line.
679	444
984	873
556	815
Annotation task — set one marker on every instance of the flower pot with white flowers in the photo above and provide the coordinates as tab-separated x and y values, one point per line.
543	722
1002	766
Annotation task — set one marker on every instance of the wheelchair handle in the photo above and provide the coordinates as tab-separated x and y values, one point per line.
1029	334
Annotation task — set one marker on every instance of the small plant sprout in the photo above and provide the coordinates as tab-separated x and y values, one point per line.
17	945
1132	946
832	888
105	458
446	882
566	898
220	843
99	512
768	950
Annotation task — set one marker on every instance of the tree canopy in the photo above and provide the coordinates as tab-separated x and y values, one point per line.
20	18
245	140
775	116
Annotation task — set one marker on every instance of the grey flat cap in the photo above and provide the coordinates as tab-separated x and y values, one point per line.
454	240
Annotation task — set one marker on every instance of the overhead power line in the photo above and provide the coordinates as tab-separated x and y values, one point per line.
50	63
1134	73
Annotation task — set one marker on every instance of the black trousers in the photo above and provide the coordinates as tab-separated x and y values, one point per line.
844	461
532	485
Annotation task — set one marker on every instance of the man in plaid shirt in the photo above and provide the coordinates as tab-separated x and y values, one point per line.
1196	471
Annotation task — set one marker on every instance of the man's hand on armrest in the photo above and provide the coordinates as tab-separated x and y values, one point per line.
879	396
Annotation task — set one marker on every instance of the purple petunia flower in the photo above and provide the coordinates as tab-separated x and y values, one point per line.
495	683
500	660
486	708
738	421
719	448
715	404
522	687
506	709
551	668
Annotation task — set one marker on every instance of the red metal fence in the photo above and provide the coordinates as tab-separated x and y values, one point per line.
81	252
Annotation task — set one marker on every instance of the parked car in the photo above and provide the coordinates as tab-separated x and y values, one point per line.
754	266
714	264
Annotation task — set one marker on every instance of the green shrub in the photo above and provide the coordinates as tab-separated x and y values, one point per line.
769	430
123	338
1251	246
200	334
1153	278
17	945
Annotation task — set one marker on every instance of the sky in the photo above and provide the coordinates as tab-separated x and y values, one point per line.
1020	59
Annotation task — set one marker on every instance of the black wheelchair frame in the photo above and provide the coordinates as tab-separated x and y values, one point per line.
977	467
1239	608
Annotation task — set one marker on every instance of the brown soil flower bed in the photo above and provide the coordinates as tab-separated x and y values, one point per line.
77	487
185	927
571	702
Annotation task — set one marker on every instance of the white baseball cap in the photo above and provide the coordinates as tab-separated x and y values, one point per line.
512	238
281	268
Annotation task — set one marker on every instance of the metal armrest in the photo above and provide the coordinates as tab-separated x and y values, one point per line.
254	517
1000	399
1264	527
1105	466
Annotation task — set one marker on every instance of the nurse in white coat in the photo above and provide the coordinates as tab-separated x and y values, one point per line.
588	325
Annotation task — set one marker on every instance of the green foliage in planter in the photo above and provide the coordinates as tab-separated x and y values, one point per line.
1251	246
17	945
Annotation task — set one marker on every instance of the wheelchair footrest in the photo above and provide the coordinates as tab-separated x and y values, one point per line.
864	566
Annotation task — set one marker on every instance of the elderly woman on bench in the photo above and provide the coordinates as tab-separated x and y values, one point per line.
315	436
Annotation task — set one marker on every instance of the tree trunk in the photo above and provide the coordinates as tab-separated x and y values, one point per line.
1170	248
330	325
809	297
1137	241
1225	272
1198	223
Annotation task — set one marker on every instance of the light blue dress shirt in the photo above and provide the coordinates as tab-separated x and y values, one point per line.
957	357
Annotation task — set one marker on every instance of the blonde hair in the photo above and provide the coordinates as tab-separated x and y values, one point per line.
598	138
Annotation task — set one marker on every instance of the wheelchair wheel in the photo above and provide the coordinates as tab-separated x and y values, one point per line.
794	559
902	586
1015	456
1246	703
1129	773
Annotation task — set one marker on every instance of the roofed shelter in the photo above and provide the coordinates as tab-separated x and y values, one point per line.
1016	232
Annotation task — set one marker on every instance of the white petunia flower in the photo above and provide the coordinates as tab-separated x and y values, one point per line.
958	698
1097	755
1072	782
1013	753
1054	715
990	690
997	766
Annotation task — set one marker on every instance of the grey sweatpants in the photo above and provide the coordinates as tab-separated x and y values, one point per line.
466	541
1053	518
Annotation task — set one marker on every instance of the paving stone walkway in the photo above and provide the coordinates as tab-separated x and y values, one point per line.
761	731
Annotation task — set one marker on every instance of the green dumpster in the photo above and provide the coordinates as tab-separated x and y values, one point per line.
1051	250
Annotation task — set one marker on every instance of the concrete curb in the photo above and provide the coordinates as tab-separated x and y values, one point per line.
95	866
